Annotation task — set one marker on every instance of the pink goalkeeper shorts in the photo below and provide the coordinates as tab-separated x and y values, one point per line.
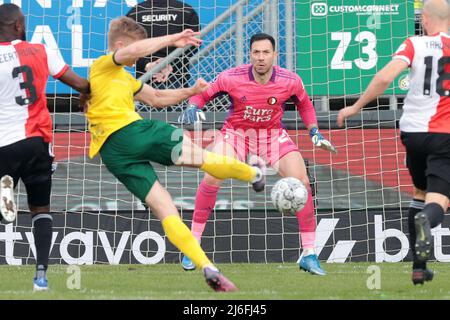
270	144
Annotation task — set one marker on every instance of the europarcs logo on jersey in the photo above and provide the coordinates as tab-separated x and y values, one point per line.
320	9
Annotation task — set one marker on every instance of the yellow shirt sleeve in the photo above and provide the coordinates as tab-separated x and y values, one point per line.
137	85
106	63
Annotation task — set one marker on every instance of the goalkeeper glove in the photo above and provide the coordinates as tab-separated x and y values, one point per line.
319	141
191	115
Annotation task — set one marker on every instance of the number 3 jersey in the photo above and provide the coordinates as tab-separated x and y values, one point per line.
24	70
427	104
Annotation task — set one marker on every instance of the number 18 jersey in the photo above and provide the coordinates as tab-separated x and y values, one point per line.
24	70
427	104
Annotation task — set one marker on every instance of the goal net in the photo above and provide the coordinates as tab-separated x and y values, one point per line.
335	46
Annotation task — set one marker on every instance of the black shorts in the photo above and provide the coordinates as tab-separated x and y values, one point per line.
31	161
428	160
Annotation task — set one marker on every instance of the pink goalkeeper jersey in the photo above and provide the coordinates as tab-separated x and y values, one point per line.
258	106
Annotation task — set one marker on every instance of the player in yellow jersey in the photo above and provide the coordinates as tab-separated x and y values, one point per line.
127	143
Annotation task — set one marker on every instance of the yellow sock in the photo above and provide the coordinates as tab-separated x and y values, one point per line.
224	167
179	234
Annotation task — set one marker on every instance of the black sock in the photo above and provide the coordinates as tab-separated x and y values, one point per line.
42	232
415	207
434	213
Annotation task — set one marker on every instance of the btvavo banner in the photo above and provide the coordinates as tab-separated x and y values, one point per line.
240	236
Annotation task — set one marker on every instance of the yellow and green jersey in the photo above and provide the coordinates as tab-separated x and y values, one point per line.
112	100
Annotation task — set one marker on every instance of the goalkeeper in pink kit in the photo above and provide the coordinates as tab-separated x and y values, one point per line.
258	93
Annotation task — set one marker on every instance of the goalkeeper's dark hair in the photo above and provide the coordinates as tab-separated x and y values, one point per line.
262	36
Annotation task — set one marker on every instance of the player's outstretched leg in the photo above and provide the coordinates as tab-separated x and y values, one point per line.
179	234
8	208
221	167
161	204
224	167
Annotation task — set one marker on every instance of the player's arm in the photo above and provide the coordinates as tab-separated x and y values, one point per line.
139	49
193	113
75	81
307	112
377	86
80	84
164	98
58	69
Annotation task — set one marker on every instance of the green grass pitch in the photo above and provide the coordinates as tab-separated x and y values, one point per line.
255	281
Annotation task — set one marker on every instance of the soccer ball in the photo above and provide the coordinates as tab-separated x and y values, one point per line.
289	195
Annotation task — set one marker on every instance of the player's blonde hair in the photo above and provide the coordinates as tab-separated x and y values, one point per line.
125	27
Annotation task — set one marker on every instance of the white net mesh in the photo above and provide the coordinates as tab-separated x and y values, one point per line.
360	192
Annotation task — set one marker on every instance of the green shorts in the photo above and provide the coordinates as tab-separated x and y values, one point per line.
127	153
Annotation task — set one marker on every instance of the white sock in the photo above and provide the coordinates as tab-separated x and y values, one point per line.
212	267
259	175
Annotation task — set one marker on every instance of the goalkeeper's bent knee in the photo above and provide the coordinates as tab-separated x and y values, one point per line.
224	167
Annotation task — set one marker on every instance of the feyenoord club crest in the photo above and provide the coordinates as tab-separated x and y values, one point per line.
271	101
